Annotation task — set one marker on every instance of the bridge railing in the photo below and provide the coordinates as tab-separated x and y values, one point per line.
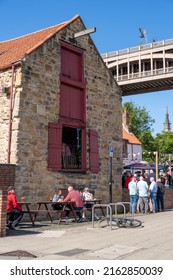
149	73
138	48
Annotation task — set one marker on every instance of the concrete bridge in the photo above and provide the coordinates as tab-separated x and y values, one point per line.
144	68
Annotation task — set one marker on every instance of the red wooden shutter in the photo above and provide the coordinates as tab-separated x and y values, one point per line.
77	108
72	62
65	101
65	58
72	92
83	149
94	155
72	102
54	146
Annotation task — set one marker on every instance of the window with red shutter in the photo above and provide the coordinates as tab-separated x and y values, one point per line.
67	138
94	152
71	147
54	146
66	147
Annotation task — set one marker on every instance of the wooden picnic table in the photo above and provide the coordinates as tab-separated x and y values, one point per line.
28	210
96	201
45	210
62	211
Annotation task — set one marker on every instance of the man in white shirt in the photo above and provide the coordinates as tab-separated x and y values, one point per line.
133	194
142	187
153	194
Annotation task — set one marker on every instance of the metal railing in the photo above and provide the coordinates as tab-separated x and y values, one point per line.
142	74
138	48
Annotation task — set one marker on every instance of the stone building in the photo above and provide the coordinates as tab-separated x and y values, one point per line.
132	147
60	110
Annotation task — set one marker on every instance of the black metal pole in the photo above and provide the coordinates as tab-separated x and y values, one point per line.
110	179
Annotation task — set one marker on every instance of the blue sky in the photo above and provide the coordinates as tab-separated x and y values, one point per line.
117	27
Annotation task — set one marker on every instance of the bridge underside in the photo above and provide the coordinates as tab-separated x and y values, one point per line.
142	86
144	68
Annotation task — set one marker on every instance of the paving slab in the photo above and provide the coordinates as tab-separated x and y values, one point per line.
74	241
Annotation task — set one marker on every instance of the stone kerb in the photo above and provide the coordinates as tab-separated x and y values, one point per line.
7	178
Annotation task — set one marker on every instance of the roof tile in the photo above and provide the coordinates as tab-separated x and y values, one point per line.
15	49
132	139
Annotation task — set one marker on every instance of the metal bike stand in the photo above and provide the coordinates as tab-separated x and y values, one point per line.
123	205
125	221
108	213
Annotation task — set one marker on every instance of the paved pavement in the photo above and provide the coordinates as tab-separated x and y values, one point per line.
50	241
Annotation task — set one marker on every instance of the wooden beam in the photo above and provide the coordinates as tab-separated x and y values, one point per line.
84	32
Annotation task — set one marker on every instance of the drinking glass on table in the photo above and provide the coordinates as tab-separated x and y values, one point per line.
22	199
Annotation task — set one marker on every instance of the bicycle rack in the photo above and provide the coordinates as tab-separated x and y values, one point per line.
108	213
123	205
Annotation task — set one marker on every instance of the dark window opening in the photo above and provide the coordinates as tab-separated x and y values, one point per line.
71	148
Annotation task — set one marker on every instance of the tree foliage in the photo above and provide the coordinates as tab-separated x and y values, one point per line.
139	119
164	142
148	141
140	124
148	146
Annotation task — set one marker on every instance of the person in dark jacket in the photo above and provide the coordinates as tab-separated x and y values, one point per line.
160	195
14	210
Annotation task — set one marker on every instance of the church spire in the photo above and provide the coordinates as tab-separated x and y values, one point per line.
167	124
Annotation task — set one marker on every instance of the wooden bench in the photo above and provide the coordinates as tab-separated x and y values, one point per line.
27	211
46	210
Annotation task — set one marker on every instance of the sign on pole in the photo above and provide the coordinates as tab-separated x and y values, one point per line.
110	173
111	151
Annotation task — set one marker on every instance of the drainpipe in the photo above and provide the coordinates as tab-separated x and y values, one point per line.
10	115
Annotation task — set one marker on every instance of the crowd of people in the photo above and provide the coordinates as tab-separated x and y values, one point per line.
146	196
146	193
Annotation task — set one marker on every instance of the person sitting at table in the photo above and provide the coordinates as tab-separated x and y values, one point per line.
88	204
75	197
57	198
14	210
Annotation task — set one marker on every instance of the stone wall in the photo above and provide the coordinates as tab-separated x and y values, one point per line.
5	82
7	178
168	199
36	103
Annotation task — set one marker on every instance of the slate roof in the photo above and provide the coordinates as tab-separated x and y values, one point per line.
15	49
130	137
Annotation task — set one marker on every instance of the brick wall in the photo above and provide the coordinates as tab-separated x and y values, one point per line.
7	178
7	174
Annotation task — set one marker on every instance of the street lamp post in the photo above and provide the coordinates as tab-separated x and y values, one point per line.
110	173
157	165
